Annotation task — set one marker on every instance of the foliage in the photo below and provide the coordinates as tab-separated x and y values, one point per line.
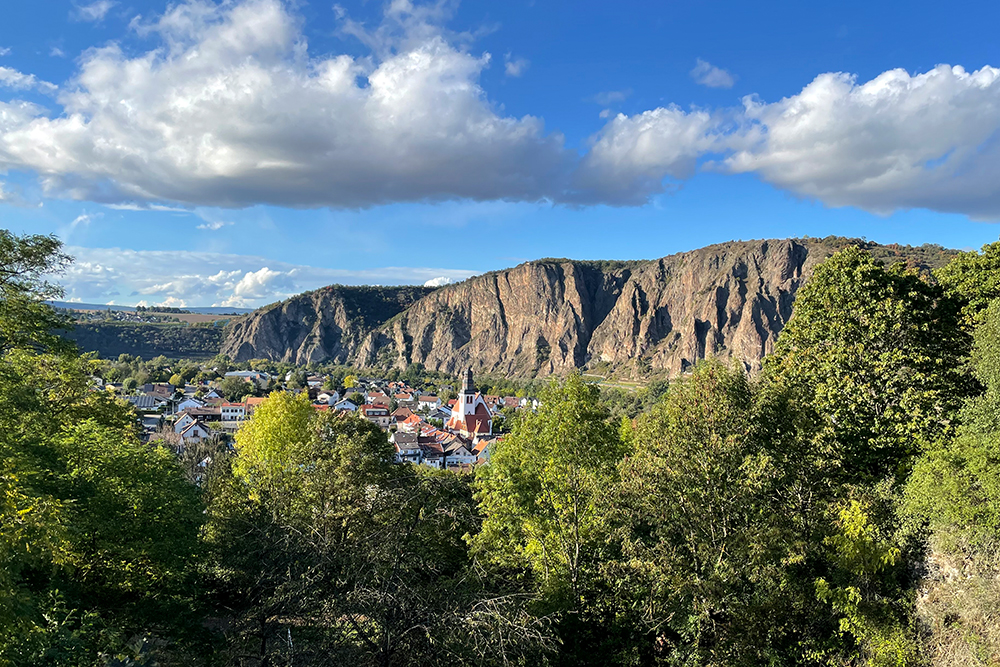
541	497
956	483
973	278
110	339
873	356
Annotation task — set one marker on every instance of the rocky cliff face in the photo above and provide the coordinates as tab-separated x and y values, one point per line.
328	324
728	301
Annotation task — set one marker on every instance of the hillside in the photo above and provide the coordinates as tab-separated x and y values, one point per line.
327	324
552	316
110	339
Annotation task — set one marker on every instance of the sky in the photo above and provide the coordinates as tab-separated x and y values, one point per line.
236	152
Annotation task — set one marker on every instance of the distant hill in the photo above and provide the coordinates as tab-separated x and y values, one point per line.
176	341
553	316
202	310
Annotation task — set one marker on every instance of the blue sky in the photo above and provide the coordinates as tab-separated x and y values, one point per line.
205	153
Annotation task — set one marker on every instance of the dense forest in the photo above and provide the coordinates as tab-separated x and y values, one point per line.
177	341
842	507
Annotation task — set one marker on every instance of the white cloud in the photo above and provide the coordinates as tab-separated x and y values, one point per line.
11	78
205	278
232	110
899	141
631	156
94	12
515	67
707	74
4	50
214	225
56	52
438	282
133	206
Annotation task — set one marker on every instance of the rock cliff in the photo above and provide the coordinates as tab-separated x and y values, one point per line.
328	324
553	316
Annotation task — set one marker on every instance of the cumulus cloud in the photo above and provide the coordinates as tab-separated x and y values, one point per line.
898	141
515	67
632	155
214	279
438	282
93	12
707	74
233	110
4	50
229	108
11	78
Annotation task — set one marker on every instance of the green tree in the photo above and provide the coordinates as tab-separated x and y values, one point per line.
177	380
874	357
973	278
235	388
318	536
26	321
541	501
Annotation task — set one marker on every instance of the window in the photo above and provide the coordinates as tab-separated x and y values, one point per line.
468	399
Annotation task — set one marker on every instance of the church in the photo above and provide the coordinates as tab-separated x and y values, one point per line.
470	416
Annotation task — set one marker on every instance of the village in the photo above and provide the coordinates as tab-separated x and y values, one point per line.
453	434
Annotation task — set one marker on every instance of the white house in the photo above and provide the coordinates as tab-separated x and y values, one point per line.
429	403
233	412
458	454
345	405
195	432
328	397
189	403
183	422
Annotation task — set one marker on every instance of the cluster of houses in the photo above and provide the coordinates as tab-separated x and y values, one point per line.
424	429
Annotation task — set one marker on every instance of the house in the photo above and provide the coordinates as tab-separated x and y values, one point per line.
252	403
151	423
431	453
189	403
345	405
377	414
407	448
183	422
442	413
458	453
328	397
428	403
412	424
259	378
195	432
233	412
212	393
378	398
470	416
401	414
482	447
146	403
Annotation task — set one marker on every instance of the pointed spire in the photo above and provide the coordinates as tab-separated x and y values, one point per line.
468	386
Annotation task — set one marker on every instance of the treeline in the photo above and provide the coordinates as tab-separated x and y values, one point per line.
842	508
178	341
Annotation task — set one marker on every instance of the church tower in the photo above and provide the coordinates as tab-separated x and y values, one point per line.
470	416
467	397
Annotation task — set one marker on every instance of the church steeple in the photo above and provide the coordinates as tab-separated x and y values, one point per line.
468	386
